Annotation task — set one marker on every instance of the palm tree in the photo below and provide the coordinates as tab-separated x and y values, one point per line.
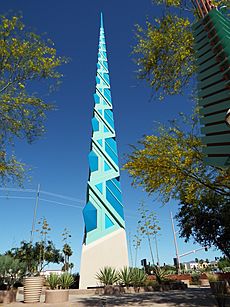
67	251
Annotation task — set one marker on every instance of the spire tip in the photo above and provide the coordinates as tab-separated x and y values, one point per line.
101	20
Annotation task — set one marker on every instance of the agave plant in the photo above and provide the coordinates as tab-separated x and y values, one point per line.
138	277
53	281
107	276
66	280
125	276
160	273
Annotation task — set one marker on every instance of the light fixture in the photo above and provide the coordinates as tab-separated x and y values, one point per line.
227	118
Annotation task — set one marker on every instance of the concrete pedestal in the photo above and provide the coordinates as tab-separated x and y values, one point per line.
107	251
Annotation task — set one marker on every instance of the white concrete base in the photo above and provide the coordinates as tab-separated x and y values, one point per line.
108	251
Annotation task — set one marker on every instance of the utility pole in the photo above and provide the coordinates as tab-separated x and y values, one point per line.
175	242
158	259
130	250
35	214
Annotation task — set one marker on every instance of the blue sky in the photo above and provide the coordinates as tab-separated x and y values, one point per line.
58	160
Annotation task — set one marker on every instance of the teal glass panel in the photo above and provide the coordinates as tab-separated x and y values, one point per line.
99	142
93	161
106	129
95	124
106	166
90	217
99	186
108	222
96	98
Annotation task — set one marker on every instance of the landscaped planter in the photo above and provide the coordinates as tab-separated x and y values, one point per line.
165	286
8	296
56	296
181	277
33	288
130	290
113	290
204	282
186	282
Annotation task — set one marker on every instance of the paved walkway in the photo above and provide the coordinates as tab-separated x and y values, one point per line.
192	297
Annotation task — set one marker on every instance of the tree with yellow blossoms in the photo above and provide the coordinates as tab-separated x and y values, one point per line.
28	62
169	163
164	50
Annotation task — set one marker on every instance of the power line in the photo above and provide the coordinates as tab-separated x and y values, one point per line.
59	203
42	199
17	190
63	196
55	202
17	197
43	192
132	215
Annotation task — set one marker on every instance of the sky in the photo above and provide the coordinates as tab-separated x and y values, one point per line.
58	161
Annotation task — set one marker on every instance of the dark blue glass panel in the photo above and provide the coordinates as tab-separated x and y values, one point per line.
111	153
114	203
107	94
106	78
114	189
105	64
112	144
117	182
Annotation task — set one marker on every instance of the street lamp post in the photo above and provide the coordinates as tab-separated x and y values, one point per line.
175	243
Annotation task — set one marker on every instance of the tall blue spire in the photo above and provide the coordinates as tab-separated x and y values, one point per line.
103	212
102	20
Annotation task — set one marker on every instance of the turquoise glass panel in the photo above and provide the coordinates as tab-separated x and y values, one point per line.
93	161
106	166
95	124
90	217
108	222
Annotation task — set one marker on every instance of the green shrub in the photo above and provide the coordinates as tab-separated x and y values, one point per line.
226	270
107	276
212	277
66	280
76	278
53	281
160	273
195	278
11	271
125	276
138	277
